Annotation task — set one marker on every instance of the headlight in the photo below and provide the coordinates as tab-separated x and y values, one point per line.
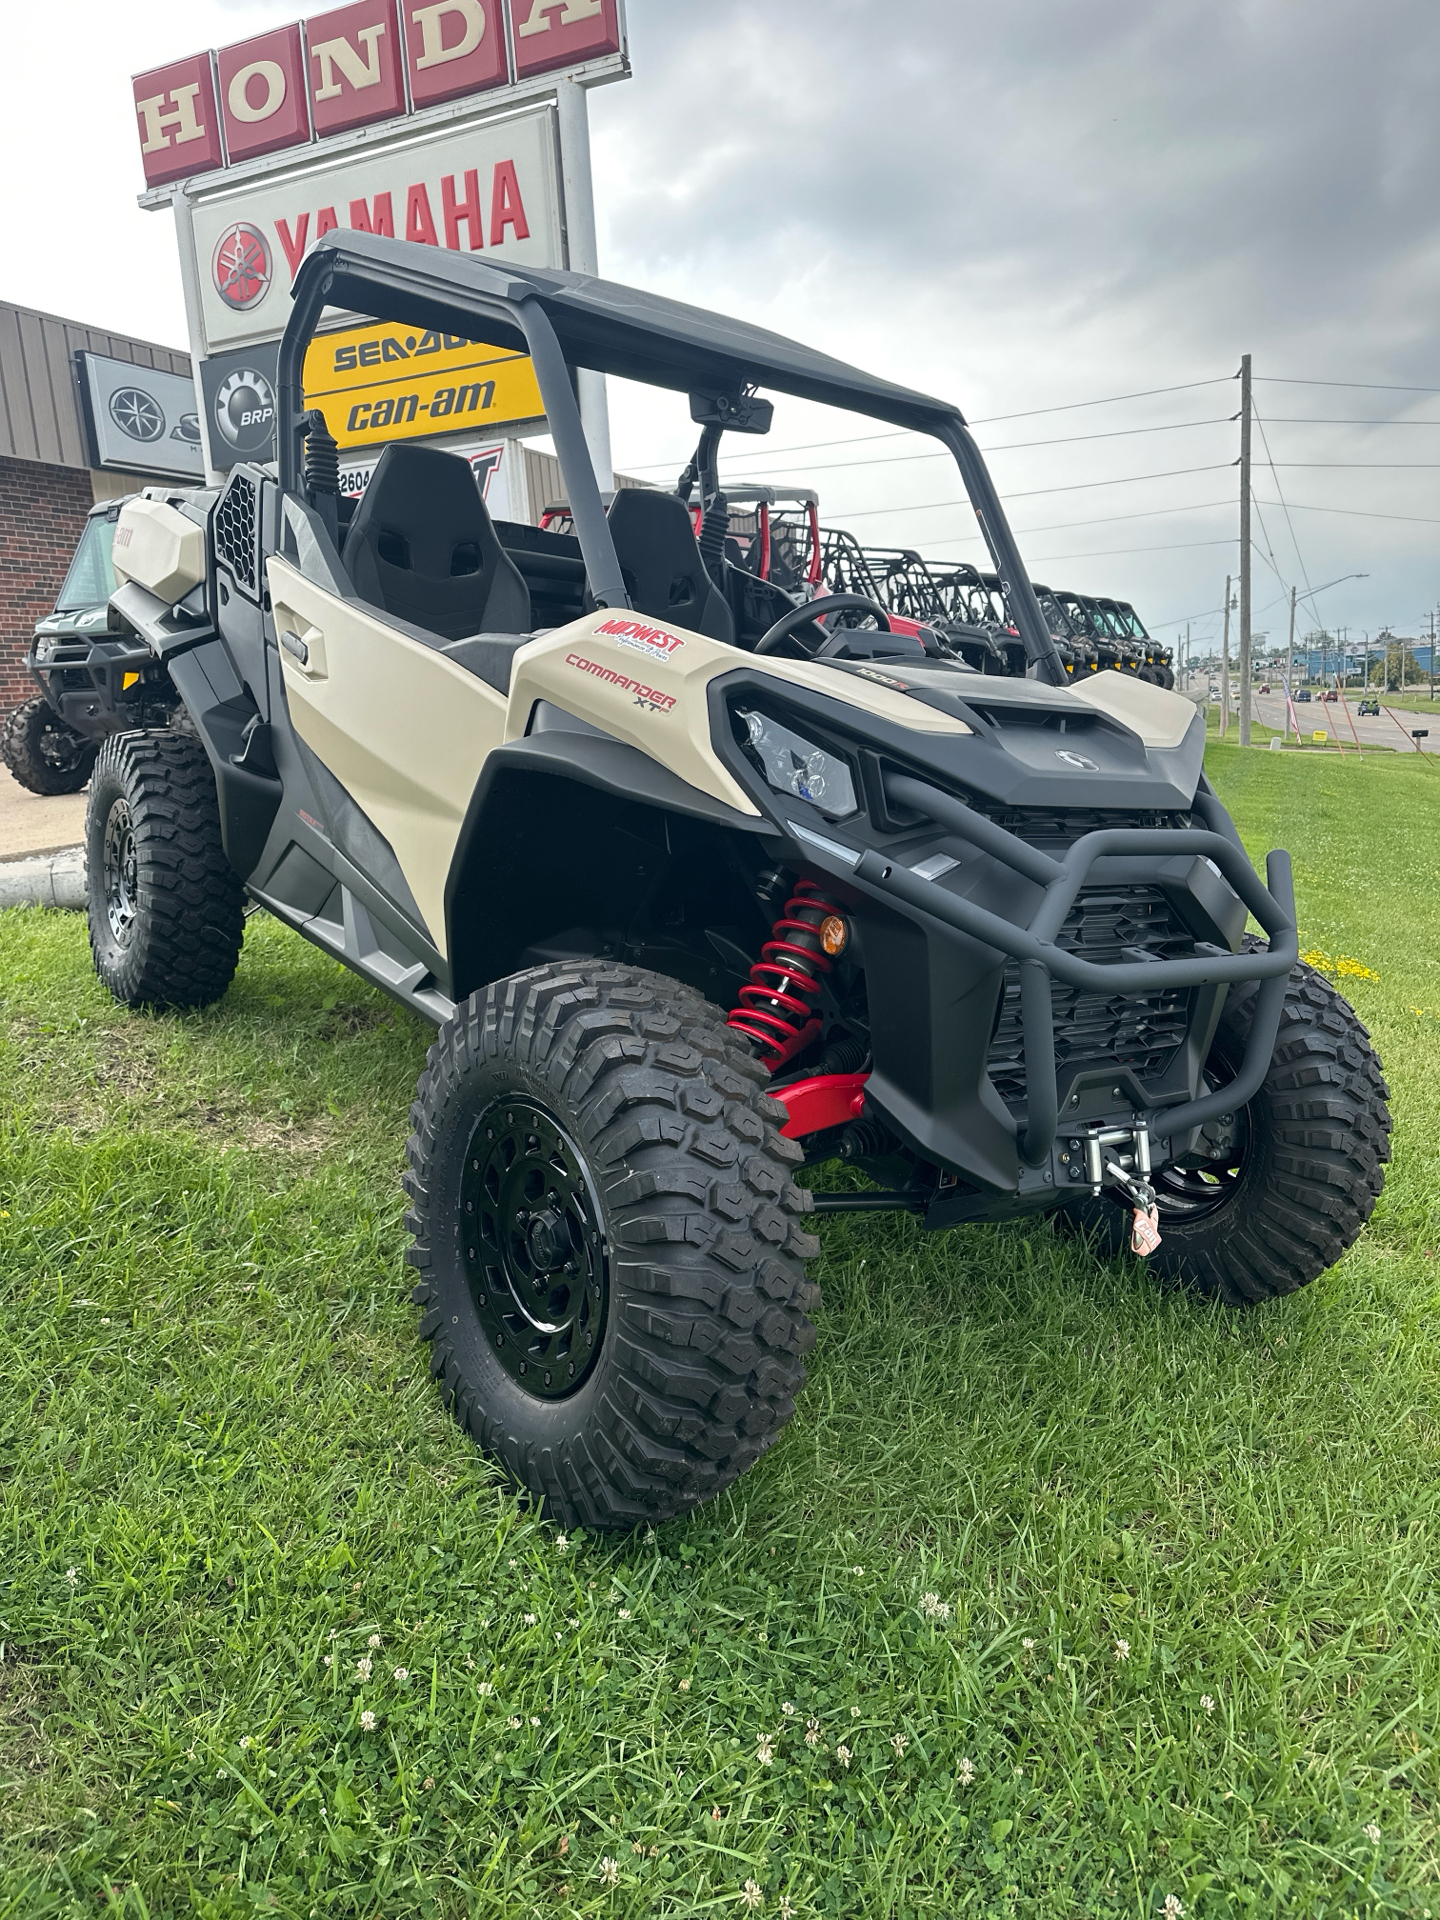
793	764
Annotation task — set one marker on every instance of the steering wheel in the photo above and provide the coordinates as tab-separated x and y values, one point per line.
810	610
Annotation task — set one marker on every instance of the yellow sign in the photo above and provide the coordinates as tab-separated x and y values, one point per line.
1319	738
400	383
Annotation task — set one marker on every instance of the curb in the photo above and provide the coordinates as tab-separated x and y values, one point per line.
53	880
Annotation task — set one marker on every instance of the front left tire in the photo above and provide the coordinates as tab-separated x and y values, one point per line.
608	1241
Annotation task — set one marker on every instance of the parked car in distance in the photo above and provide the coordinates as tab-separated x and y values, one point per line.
1330	695
1304	694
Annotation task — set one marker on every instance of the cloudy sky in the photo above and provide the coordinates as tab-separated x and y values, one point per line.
1022	207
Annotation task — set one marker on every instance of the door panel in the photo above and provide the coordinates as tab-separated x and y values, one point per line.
403	729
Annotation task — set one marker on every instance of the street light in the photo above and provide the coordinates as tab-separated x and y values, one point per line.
1309	594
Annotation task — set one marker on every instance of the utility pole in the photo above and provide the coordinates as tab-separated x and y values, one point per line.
1225	666
1245	550
1290	650
1432	656
1187	653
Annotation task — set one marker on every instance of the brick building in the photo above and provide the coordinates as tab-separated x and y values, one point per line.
47	484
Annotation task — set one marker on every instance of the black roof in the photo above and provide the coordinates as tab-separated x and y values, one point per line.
599	324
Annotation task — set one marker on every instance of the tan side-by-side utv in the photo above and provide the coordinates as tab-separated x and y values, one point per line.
700	885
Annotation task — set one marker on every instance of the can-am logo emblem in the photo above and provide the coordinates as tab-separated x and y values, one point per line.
1076	760
241	266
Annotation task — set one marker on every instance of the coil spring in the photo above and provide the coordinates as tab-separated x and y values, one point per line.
778	1004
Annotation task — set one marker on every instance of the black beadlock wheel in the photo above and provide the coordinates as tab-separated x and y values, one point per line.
43	752
1301	1166
166	910
608	1241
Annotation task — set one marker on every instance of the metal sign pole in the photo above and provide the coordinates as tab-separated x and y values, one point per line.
582	257
181	212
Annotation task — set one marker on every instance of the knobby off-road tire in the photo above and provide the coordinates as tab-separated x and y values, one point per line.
1306	1168
166	910
42	752
614	1101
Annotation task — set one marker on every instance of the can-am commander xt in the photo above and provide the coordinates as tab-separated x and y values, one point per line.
695	891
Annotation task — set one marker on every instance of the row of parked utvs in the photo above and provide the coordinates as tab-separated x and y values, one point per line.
697	889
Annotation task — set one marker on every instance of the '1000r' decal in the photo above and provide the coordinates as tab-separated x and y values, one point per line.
644	696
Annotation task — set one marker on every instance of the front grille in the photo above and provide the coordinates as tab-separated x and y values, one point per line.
1107	925
235	530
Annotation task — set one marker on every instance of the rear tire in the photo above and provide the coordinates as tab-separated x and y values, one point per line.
608	1241
1306	1169
166	910
44	752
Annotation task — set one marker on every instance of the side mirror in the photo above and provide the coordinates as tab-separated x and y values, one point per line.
732	412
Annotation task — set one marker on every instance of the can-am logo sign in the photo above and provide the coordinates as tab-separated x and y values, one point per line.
362	63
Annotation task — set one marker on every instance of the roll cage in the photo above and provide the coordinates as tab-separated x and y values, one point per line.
568	320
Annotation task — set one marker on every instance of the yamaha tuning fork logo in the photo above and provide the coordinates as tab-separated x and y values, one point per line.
241	266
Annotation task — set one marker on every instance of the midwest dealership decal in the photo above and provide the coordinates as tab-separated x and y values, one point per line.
642	639
644	696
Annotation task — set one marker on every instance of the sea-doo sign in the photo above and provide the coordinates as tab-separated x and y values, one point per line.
353	67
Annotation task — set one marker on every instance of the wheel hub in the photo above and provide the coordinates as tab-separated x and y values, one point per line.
534	1247
120	872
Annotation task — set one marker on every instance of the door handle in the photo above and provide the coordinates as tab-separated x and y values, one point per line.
293	644
305	646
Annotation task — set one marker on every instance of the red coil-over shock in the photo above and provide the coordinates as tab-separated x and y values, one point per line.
777	1007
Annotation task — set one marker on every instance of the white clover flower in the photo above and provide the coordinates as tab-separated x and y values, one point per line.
751	1896
858	1572
1207	1703
812	1733
534	1719
373	1641
362	1666
609	1871
787	1706
649	1536
244	1742
562	1542
854	1713
764	1750
485	1689
402	1673
334	1633
966	1771
1371	1833
685	1684
625	1614
1173	1907
329	1659
899	1742
514	1723
787	1912
469	1663
1122	1652
367	1721
1028	1645
72	1574
514	1563
843	1755
933	1607
530	1619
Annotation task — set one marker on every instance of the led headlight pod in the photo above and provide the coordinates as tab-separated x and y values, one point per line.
793	764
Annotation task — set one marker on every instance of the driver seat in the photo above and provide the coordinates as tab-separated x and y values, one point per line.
661	566
422	546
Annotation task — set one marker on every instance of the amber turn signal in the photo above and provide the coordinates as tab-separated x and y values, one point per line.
834	934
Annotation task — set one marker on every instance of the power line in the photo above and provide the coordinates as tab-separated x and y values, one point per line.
1304	420
1101	520
1352	466
1368	386
989	420
1361	513
1099	553
1294	539
1031	493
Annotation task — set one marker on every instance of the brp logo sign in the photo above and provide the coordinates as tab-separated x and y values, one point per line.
241	266
245	410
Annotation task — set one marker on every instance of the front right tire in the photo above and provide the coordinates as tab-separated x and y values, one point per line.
608	1241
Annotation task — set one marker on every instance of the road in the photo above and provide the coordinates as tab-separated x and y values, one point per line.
1337	720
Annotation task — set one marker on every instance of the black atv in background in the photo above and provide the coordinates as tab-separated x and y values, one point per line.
96	676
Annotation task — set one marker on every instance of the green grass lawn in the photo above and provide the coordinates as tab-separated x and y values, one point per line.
1182	1640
